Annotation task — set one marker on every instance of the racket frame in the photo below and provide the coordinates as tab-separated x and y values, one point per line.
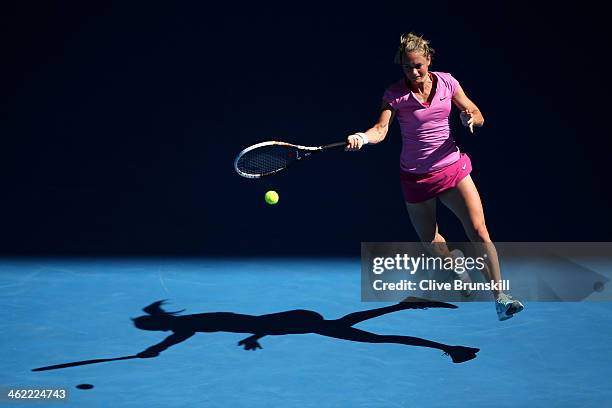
304	150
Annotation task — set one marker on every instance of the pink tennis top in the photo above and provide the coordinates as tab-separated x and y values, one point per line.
426	141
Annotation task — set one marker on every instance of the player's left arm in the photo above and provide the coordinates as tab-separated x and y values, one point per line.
470	114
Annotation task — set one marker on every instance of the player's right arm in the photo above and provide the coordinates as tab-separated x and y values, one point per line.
376	133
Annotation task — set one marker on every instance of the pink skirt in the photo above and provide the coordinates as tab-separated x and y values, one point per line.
422	187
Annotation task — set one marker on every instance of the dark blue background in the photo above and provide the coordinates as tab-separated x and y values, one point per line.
120	123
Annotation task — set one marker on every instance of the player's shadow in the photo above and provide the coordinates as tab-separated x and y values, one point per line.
283	323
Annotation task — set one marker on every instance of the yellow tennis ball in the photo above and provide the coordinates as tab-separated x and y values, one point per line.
271	197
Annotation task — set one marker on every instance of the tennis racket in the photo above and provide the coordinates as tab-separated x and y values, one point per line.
267	158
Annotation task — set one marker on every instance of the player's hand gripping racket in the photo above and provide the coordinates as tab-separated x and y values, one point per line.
267	158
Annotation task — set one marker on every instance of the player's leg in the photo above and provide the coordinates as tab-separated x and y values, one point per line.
423	218
464	201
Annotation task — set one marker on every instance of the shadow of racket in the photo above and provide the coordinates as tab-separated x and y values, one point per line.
80	363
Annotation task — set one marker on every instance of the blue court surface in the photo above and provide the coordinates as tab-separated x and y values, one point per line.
59	311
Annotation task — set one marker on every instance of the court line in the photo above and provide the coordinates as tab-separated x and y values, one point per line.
161	280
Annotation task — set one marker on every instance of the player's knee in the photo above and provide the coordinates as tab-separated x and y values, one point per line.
478	232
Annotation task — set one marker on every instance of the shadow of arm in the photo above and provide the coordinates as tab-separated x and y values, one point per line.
251	343
175	338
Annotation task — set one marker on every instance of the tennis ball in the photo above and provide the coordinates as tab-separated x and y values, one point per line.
271	197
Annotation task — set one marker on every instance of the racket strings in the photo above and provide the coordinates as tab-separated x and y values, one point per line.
266	159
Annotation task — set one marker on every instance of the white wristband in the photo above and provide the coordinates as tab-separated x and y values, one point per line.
364	137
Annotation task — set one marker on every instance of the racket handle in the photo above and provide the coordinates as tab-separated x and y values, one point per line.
333	145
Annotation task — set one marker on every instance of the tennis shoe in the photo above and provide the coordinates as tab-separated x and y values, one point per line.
507	306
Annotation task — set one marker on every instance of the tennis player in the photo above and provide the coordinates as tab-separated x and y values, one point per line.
431	165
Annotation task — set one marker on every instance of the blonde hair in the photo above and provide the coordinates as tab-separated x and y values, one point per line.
411	42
